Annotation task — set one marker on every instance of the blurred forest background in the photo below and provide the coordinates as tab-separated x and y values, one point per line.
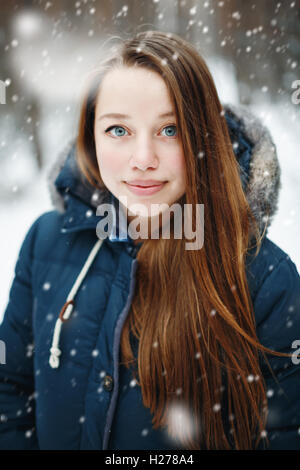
47	49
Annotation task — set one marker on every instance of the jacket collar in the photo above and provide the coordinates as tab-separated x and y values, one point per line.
77	200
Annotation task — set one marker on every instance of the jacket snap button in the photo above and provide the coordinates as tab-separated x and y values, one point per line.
108	383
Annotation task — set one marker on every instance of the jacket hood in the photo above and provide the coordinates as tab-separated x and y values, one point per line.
73	196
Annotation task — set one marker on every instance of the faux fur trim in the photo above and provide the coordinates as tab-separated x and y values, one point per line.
262	191
56	198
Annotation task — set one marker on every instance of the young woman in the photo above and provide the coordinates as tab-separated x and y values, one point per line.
133	342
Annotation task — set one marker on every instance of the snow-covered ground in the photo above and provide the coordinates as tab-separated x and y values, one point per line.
57	128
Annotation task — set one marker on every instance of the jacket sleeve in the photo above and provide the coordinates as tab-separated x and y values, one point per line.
17	403
277	311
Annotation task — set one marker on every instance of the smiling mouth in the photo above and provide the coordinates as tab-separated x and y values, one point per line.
148	186
158	183
145	190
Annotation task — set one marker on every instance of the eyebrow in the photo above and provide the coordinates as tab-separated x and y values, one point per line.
125	116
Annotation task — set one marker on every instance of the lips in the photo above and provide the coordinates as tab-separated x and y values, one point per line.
145	188
145	183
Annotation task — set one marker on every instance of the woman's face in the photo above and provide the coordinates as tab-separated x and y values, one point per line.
143	145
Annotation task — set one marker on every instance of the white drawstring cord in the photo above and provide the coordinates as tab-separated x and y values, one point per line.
68	307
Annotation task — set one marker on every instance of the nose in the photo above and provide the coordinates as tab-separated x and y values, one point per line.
144	155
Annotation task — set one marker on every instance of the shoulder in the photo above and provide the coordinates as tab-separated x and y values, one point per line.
43	229
49	241
275	289
258	268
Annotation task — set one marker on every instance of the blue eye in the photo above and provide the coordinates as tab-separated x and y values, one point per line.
120	134
170	127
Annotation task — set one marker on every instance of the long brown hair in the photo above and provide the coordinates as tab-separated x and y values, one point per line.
192	317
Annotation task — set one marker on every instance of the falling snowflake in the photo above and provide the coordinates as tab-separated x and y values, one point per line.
46	286
180	421
216	407
236	15
30	348
133	383
144	432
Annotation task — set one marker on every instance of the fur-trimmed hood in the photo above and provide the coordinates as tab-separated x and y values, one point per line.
253	146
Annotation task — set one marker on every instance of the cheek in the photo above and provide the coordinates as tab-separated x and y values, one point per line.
109	161
178	165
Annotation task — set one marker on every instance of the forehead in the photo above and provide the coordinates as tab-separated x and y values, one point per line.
130	87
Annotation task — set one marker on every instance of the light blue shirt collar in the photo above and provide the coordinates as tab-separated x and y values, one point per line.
119	232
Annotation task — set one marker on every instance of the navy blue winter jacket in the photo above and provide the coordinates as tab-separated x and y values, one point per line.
89	401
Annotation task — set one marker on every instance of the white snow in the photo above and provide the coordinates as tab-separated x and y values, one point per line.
179	422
